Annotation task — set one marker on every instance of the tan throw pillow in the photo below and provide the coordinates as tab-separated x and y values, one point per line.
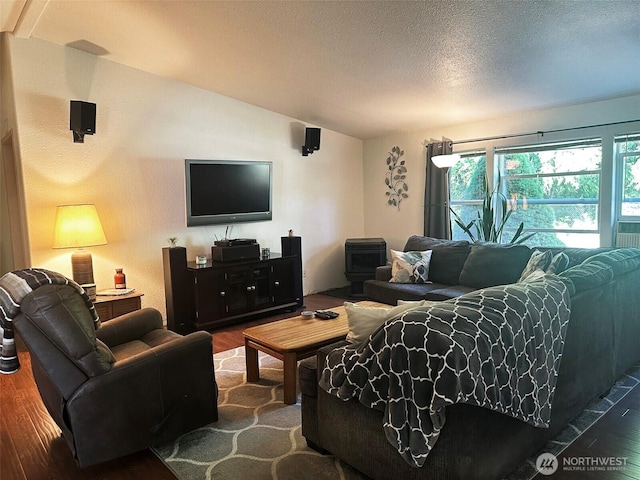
364	320
410	267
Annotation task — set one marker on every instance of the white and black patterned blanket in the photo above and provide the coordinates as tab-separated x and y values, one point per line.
498	348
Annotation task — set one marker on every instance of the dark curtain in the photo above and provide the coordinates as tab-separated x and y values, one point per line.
437	219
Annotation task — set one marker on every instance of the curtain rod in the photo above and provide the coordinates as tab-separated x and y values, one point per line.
540	132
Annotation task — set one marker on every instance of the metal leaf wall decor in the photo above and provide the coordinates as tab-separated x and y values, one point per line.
395	178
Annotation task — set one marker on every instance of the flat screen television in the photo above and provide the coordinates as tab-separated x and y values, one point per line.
227	191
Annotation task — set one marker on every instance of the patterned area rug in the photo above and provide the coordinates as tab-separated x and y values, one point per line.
257	437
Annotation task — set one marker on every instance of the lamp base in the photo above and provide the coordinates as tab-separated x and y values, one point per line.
82	267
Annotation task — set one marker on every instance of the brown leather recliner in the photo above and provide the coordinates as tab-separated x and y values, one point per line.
122	388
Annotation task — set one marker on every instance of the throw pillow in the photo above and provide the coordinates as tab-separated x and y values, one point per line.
410	267
538	261
415	303
363	320
491	264
558	264
533	276
447	259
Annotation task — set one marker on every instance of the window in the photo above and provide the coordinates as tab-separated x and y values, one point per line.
465	185
628	151
555	190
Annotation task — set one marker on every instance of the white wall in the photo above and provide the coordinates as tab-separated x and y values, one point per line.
396	226
133	167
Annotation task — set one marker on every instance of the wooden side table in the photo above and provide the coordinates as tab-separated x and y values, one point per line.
109	306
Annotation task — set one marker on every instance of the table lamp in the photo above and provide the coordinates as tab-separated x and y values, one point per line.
78	226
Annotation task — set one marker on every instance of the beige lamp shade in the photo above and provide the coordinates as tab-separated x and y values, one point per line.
79	226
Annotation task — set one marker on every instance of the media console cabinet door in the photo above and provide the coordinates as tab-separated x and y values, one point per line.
211	295
283	281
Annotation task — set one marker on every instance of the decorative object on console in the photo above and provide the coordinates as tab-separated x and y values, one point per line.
173	241
201	259
82	119
395	178
79	226
311	141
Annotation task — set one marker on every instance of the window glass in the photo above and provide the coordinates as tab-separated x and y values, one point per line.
554	190
465	185
628	149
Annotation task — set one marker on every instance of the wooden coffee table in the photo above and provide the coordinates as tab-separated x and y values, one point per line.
291	340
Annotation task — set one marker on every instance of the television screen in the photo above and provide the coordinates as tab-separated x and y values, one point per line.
227	191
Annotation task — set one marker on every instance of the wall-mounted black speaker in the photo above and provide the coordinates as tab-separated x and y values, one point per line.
311	141
82	119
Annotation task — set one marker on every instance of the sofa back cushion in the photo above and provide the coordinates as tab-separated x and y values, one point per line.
587	275
490	264
577	255
621	260
447	259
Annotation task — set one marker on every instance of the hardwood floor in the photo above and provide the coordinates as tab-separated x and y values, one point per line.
31	447
616	435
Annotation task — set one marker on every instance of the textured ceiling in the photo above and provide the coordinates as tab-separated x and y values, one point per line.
363	68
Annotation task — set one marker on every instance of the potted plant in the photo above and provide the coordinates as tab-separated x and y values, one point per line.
492	217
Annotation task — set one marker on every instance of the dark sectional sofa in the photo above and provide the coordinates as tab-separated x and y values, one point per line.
477	443
458	267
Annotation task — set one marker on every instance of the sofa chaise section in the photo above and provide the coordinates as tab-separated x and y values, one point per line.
477	443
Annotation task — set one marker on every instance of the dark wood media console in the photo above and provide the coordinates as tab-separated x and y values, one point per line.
205	297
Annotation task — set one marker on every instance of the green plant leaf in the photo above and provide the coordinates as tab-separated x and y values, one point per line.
492	217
